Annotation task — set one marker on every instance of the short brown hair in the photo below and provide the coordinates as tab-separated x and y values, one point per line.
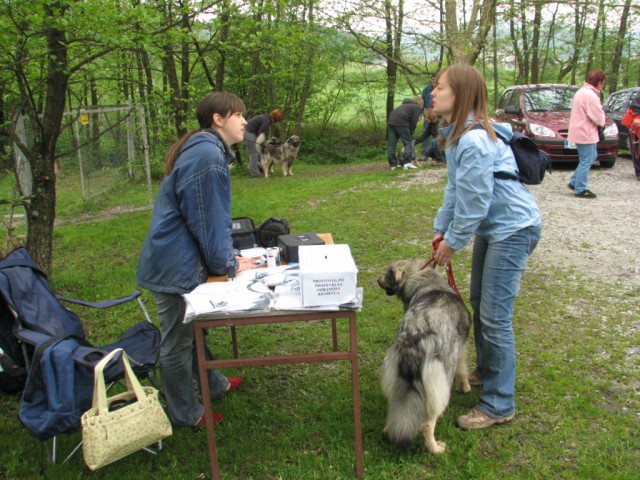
595	77
222	103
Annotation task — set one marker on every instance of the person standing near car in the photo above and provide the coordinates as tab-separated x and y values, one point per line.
587	115
401	124
632	121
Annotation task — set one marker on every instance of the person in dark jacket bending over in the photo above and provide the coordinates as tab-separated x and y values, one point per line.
401	125
255	134
190	239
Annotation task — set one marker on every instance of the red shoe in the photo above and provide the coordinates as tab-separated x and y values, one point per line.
217	418
234	383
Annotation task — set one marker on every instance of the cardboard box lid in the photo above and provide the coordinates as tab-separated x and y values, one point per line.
326	258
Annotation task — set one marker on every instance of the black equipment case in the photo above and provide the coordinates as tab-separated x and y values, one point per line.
288	245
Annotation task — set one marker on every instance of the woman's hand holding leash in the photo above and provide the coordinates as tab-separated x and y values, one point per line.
440	251
441	254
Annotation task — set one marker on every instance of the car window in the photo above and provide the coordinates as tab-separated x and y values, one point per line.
618	101
507	99
549	99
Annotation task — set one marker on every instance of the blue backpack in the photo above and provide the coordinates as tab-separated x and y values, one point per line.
58	391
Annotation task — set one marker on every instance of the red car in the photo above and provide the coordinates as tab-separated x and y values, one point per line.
542	112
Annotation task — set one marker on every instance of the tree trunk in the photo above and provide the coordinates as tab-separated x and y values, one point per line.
41	209
579	22
617	56
466	44
223	36
534	71
594	35
392	66
306	87
514	42
5	161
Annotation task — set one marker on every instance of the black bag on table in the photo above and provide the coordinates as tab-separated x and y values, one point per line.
268	232
243	233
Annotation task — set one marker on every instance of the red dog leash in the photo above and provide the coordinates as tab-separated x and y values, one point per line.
447	267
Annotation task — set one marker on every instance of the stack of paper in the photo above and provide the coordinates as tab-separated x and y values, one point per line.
260	289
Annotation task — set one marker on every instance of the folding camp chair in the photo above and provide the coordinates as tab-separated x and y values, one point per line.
54	344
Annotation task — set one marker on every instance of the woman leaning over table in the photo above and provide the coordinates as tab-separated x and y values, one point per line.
189	240
504	219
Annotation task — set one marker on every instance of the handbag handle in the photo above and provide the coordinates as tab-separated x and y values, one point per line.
99	388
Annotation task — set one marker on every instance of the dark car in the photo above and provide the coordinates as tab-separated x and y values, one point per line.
616	106
542	113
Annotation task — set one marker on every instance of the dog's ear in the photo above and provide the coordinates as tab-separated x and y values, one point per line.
398	273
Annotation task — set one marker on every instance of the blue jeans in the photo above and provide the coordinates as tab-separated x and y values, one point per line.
178	363
587	153
394	134
254	156
434	151
496	271
427	142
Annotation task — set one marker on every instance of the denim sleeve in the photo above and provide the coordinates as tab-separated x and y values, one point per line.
206	206
473	187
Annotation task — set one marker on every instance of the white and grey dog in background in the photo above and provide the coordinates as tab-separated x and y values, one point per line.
428	353
291	148
274	151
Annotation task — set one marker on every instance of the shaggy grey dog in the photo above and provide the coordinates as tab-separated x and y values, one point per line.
428	353
290	148
272	152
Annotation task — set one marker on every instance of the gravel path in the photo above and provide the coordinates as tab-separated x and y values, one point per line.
598	238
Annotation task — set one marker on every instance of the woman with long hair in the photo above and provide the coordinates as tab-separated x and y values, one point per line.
190	239
481	201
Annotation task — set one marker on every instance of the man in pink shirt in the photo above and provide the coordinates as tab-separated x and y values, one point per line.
586	116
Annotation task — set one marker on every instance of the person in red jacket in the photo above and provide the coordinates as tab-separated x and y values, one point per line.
632	121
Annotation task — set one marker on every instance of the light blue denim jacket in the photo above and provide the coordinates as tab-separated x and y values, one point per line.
474	201
190	234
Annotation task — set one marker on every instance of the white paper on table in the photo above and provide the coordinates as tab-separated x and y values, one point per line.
255	290
224	297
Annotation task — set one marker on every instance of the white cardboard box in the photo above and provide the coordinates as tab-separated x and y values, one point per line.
328	275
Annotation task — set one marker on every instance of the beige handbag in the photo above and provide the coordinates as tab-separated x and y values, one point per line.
117	426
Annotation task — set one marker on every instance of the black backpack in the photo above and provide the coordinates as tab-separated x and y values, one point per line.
532	162
268	232
243	233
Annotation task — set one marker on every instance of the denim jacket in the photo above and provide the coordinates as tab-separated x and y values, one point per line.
474	201
190	234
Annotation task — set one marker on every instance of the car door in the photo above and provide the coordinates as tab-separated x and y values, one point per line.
510	109
616	106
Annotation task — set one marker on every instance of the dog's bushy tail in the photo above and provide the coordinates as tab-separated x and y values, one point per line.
417	389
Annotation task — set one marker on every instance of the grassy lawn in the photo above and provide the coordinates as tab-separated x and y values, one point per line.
578	388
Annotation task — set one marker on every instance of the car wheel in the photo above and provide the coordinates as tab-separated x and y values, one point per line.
607	163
